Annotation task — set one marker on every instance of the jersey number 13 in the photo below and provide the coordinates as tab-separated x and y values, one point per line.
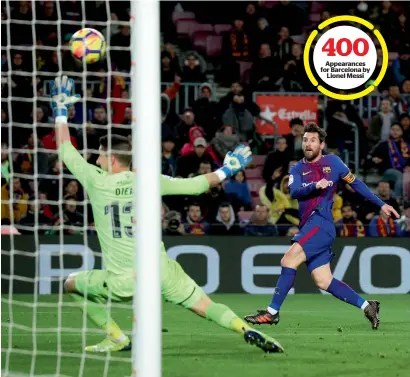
114	210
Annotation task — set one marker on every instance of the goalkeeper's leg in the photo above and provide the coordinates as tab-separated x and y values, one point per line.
179	288
89	287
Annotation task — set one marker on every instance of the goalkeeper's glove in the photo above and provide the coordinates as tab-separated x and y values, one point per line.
63	96
236	161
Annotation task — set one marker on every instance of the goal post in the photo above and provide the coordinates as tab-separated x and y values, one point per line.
146	84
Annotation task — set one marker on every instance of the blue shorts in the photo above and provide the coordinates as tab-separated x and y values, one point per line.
316	237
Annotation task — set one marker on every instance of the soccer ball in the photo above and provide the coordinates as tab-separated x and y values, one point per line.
88	45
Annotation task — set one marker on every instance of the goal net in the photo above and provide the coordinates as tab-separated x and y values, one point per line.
44	209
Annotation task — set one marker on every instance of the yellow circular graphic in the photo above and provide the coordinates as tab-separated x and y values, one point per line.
352	96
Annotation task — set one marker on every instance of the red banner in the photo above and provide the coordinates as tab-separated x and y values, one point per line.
281	109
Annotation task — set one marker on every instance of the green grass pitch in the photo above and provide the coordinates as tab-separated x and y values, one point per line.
322	337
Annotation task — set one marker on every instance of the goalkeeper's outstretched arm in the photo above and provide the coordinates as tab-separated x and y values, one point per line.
233	163
62	97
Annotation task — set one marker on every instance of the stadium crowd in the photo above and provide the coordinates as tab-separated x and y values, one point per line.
264	37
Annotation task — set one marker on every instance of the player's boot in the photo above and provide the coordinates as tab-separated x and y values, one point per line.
262	317
371	312
110	345
262	341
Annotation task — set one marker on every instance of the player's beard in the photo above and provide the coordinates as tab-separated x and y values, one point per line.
311	154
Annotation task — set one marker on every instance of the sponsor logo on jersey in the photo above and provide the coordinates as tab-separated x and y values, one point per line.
306	172
311	183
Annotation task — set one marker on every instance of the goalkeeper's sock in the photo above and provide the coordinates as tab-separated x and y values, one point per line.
343	292
283	286
114	331
226	318
98	315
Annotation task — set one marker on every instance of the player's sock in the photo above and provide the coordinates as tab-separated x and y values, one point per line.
343	292
114	331
283	286
99	316
225	317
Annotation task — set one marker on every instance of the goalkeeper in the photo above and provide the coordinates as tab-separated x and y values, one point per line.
110	189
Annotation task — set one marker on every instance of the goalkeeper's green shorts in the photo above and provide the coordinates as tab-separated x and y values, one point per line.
176	286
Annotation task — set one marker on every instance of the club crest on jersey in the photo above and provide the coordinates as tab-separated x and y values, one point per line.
326	169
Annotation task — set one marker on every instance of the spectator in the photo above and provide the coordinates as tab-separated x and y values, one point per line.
404	222
251	22
224	141
263	35
260	224
206	111
276	162
225	222
236	48
392	158
405	123
402	34
27	162
121	57
294	138
284	44
379	127
192	71
71	216
49	141
405	89
94	130
388	22
195	225
349	225
266	70
189	164
399	106
189	148
290	15
169	160
50	186
21	34
47	31
72	189
369	210
17	208
275	200
35	223
172	225
211	200
383	226
238	192
240	113
120	91
295	77
401	65
169	67
184	126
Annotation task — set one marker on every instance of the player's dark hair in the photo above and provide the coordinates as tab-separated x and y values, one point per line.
120	148
314	128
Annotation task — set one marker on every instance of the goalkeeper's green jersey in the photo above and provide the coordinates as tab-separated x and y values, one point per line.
112	198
